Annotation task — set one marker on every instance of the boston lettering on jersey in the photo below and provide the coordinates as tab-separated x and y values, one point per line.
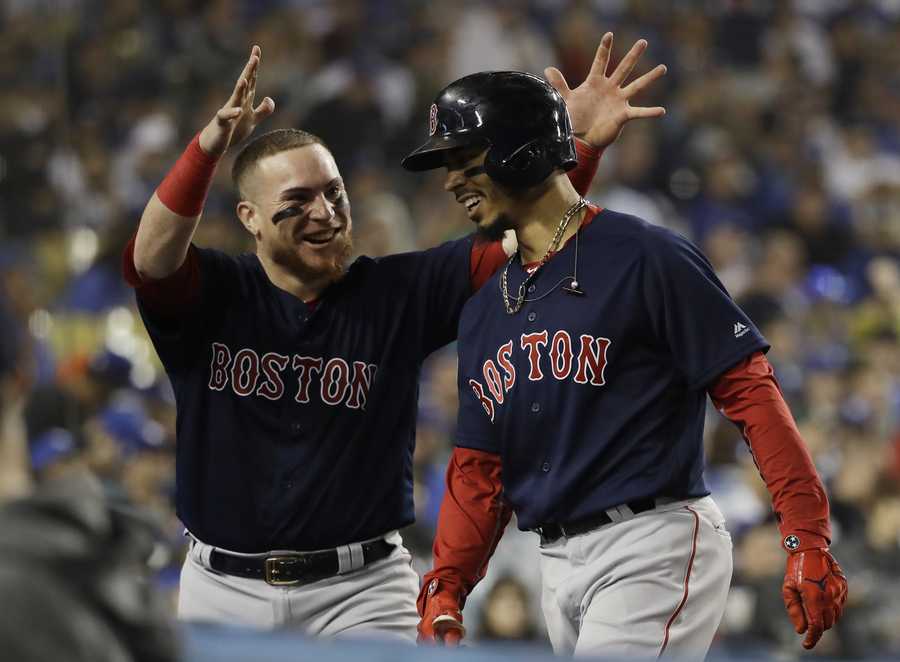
561	362
599	399
271	375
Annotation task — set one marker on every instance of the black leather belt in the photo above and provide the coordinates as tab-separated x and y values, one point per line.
291	569
553	531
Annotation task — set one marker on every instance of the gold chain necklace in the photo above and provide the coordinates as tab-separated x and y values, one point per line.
516	306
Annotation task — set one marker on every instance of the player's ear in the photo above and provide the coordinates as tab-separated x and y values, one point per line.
249	217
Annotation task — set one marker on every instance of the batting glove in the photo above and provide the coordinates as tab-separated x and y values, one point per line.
814	590
441	621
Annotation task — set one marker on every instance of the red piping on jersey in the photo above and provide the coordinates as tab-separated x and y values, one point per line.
687	577
749	396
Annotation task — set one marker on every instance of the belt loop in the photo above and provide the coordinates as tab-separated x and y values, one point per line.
357	560
345	563
350	558
201	552
625	511
614	514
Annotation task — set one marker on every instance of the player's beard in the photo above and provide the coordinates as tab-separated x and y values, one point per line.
493	231
321	269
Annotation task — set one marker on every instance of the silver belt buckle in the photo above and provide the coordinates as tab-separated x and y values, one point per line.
276	567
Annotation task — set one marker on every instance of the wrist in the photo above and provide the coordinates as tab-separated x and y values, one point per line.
185	187
587	150
438	589
802	541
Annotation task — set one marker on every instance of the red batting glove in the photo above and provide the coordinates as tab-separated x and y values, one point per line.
441	622
814	590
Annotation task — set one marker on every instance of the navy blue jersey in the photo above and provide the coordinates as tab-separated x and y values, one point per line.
296	424
599	399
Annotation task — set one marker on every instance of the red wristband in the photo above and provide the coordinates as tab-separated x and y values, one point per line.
184	189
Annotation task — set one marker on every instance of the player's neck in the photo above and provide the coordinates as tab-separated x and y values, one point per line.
538	222
304	288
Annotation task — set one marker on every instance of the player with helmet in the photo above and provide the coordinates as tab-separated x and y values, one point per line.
584	368
296	377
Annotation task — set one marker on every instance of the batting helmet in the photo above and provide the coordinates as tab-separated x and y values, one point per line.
520	117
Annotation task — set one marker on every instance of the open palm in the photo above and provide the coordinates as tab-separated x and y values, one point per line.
600	106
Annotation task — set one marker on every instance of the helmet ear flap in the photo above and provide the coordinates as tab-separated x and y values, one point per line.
527	166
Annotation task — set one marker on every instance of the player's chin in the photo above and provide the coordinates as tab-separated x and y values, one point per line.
327	262
492	227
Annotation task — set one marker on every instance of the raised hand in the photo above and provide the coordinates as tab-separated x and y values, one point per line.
599	108
237	118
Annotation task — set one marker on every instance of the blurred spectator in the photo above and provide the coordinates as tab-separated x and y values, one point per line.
506	613
79	568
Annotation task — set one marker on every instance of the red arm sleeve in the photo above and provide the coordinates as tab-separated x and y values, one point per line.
749	396
472	518
588	160
488	256
168	296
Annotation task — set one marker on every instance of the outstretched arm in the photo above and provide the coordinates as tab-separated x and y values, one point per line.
472	518
171	216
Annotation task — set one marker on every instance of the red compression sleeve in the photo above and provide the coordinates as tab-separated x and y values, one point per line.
170	295
184	189
588	160
487	257
472	518
749	396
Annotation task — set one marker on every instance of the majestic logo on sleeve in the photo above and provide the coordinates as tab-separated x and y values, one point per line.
334	381
583	360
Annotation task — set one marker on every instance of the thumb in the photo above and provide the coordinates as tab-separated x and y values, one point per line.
557	80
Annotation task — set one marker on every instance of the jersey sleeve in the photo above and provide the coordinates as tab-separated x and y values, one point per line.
436	284
179	311
475	416
690	311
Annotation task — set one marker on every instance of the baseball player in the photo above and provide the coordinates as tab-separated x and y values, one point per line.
584	368
296	378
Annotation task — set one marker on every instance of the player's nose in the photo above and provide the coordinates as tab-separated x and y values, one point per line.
455	178
321	209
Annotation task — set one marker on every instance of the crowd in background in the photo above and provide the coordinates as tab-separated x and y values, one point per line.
779	155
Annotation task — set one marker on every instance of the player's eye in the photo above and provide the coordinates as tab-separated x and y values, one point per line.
337	195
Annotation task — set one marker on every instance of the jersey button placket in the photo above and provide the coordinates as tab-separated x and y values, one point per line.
545	467
535	407
532	316
296	429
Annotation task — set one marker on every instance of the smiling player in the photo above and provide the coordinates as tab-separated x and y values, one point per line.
296	378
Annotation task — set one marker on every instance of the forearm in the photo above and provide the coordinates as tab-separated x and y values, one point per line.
588	159
749	396
171	216
162	241
472	518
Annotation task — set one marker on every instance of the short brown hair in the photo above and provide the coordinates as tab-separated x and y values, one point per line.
267	144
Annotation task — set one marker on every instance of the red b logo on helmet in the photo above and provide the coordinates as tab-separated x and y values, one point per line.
432	119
